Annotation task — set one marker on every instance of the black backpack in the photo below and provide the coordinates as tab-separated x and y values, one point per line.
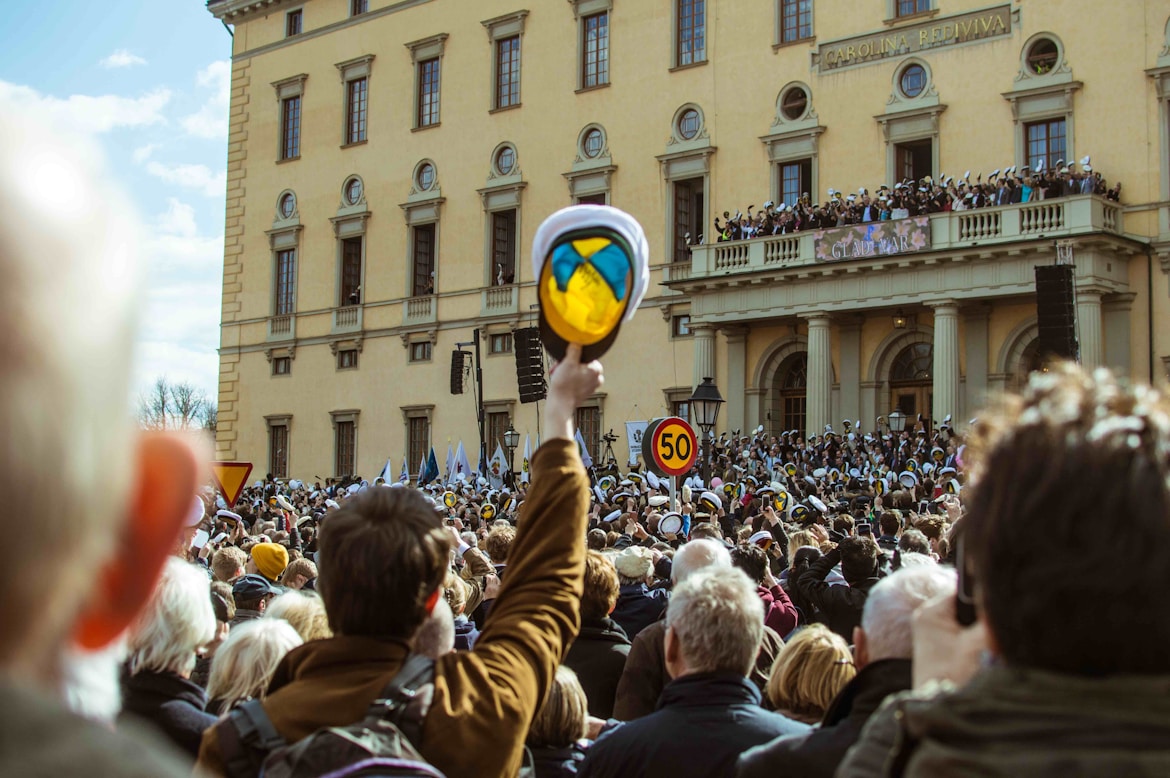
378	746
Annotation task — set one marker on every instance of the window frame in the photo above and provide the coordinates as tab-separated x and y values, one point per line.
344	244
284	424
508	252
418	441
597	57
427	349
590	432
348	358
507	343
429	97
499	29
788	9
680	329
295	17
431	261
285	282
494	430
1050	155
918	9
357	111
506	86
290	128
422	52
359	7
344	448
688	15
286	362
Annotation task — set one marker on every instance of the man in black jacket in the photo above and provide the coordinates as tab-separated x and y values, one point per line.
598	655
882	655
841	605
710	713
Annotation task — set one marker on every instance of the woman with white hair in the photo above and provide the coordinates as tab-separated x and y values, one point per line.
244	664
163	643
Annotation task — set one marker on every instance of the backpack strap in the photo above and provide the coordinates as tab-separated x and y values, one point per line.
246	738
406	700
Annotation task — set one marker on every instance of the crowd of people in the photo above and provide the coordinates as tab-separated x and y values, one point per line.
919	603
909	198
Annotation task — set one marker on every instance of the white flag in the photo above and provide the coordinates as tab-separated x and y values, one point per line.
524	476
497	466
450	474
404	476
634	432
388	472
461	463
586	459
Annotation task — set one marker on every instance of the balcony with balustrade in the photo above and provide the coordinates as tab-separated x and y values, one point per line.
500	300
282	328
420	310
974	254
347	319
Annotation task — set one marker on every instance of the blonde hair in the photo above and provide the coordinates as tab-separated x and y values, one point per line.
305	611
227	562
455	593
563	719
246	661
813	667
800	538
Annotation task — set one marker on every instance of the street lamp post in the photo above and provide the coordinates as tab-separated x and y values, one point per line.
705	404
511	440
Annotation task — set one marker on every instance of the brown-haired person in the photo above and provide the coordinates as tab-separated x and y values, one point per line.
841	605
382	559
598	655
1079	678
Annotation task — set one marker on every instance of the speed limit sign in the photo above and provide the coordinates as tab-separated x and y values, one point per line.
669	446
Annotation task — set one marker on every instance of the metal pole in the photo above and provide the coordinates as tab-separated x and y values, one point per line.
479	404
670	485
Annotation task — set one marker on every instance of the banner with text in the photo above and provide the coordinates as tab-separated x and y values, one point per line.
634	432
874	239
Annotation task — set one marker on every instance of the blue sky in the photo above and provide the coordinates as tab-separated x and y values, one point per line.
149	83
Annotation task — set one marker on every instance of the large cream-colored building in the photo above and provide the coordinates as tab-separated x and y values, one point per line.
389	162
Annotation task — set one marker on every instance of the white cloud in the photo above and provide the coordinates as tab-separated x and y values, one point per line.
211	120
87	114
143	153
199	177
122	59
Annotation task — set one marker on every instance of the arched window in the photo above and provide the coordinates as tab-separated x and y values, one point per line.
911	382
789	398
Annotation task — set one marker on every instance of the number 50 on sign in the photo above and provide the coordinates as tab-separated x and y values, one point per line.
672	447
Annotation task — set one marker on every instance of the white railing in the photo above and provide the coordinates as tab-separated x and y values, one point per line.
950	231
499	298
420	309
282	327
347	319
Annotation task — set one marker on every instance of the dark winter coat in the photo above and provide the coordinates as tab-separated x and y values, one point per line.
598	656
558	762
174	705
638	607
840	606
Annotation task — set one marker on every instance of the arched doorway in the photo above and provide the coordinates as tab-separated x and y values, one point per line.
1032	360
789	395
912	382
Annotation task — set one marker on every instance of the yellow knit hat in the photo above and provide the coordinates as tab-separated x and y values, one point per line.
270	559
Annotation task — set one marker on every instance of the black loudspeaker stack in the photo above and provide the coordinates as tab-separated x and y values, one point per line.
1056	312
458	364
529	364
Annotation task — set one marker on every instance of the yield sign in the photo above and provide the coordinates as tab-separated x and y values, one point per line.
230	478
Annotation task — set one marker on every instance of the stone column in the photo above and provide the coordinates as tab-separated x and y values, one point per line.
1115	310
849	331
820	374
946	360
978	358
704	367
1089	327
736	369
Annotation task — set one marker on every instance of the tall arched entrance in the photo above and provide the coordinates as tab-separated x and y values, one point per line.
912	382
788	403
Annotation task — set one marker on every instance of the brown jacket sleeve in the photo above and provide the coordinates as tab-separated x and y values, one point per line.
486	698
644	676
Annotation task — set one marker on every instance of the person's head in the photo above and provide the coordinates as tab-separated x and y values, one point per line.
563	719
634	565
885	631
889	523
499	540
714	623
304	611
178	621
913	542
799	539
813	667
455	593
859	558
253	592
600	594
436	636
227	564
381	558
698	555
706	529
298	573
597	539
1048	471
85	541
268	560
245	663
752	560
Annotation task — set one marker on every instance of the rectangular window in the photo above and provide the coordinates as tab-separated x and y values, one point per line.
688	217
351	272
503	247
680	326
589	423
281	365
500	344
278	450
428	92
286	274
914	160
1046	142
497	424
419	434
795	180
345	440
358	7
347	359
681	409
595	50
692	32
508	72
795	20
423	277
421	351
356	100
292	23
593	199
290	128
909	8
